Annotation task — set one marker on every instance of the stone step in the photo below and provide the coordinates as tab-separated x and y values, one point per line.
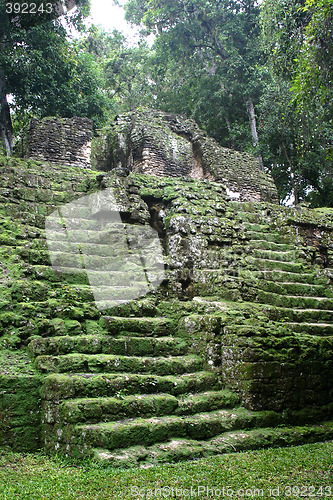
40	194
28	290
138	326
87	293
253	217
31	218
310	278
290	301
122	261
113	306
243	206
147	431
73	276
68	386
106	344
283	256
32	290
142	307
251	330
299	289
271	246
112	249
76	225
180	449
276	265
58	309
295	315
96	234
109	363
258	227
39	257
97	410
318	329
272	236
40	325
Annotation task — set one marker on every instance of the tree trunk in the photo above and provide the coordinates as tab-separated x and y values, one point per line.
231	143
253	125
6	129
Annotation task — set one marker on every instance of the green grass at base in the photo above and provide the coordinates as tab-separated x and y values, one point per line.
297	472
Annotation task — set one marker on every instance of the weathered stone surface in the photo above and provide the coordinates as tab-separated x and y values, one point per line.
238	336
58	140
162	144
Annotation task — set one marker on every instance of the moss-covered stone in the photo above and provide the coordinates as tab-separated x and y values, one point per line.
20	402
243	317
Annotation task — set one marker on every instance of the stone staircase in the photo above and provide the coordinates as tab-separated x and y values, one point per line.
121	380
135	384
274	294
297	292
133	393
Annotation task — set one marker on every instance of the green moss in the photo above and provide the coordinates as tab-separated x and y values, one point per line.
136	359
20	409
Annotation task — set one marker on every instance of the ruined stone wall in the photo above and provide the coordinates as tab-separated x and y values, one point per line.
59	140
260	281
248	288
161	144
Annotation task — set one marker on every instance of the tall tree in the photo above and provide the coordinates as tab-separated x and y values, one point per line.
219	36
314	66
296	124
21	31
126	68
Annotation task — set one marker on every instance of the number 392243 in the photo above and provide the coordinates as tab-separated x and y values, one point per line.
29	8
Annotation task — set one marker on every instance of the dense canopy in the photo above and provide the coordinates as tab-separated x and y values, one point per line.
257	76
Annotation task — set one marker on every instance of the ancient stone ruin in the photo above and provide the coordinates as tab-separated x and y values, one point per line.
231	350
162	144
58	140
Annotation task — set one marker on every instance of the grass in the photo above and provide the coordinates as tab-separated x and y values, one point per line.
297	472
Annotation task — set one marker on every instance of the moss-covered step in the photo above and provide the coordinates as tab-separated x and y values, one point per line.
114	306
83	277
39	327
20	401
177	450
108	363
53	308
86	293
295	301
138	308
138	326
67	386
35	256
292	288
258	227
117	248
311	278
283	256
271	246
277	265
248	216
189	404
30	218
96	235
320	329
28	290
55	276
107	344
272	236
96	410
295	315
147	431
121	261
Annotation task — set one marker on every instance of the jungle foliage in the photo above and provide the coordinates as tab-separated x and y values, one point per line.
257	76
